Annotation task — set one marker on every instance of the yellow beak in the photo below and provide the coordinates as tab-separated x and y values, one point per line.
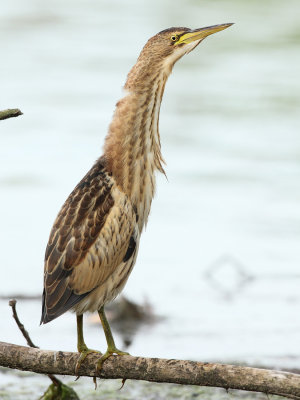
200	34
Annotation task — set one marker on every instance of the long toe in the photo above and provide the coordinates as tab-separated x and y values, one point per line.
82	357
107	354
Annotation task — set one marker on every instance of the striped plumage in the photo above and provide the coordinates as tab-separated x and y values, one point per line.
94	240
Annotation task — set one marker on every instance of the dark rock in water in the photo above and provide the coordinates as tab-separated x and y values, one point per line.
127	317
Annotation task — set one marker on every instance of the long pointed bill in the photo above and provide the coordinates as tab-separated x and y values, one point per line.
200	34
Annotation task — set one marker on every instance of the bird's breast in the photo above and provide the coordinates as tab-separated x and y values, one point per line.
141	189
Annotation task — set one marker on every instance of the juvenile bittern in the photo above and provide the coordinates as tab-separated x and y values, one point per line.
95	238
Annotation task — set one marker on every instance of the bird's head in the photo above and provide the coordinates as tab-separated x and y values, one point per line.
165	48
171	44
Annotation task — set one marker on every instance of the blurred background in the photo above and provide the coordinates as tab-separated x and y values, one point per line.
218	265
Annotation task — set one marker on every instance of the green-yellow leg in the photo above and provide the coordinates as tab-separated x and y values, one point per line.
111	347
81	346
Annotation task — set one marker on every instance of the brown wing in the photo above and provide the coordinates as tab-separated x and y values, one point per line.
89	239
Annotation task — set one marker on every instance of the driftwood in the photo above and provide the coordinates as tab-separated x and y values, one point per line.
10	113
153	370
150	369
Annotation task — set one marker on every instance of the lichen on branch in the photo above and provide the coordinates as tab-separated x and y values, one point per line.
153	370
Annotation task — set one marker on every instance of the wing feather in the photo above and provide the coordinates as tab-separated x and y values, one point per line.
89	239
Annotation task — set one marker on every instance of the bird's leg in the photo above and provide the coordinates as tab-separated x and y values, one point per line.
111	347
81	346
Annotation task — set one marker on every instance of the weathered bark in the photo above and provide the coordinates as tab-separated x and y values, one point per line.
10	113
153	370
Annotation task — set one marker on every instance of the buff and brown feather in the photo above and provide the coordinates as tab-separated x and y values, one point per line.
90	238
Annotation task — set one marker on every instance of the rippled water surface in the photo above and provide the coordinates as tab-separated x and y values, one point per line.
220	256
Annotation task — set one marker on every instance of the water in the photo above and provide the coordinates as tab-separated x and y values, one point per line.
220	256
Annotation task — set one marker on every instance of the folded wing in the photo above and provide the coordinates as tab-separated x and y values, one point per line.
91	236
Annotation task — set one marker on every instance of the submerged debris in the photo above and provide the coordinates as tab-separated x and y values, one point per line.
59	392
127	317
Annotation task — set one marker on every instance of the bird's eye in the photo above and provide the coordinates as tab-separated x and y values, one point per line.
174	38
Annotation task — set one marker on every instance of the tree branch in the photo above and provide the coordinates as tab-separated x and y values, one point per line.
14	112
57	388
12	303
153	370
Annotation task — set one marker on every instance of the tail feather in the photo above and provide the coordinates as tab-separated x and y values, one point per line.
69	300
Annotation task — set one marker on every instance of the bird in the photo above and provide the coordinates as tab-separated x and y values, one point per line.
94	240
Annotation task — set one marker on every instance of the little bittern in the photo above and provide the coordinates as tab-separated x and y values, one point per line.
94	240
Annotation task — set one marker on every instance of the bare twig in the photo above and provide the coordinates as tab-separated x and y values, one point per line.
153	370
10	113
12	304
30	343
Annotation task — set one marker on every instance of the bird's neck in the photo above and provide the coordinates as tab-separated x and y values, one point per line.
132	146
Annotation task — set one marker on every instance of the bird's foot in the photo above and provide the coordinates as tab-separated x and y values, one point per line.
84	352
109	352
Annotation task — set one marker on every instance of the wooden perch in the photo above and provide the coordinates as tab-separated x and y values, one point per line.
10	113
153	370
